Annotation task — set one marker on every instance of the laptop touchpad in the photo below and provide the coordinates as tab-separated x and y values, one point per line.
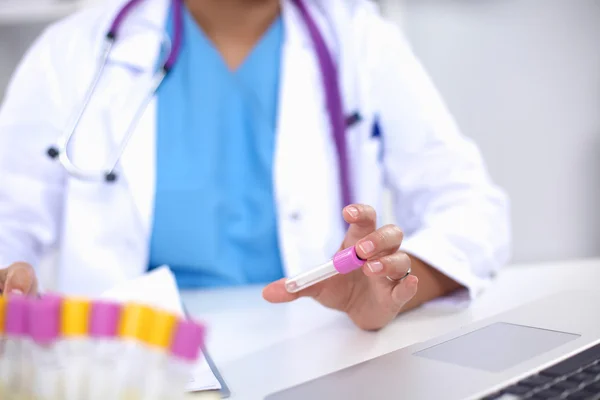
497	347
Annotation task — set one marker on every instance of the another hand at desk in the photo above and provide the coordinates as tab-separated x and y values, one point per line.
18	278
369	298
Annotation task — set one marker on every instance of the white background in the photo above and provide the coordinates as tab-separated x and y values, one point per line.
522	78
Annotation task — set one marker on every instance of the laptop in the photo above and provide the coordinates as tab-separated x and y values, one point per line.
549	349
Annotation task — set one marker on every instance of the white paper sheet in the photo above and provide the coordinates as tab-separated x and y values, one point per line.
158	288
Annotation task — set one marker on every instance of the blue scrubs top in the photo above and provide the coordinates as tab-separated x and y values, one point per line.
214	217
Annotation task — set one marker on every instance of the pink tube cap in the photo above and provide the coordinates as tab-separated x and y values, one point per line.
346	261
104	319
44	319
188	340
16	315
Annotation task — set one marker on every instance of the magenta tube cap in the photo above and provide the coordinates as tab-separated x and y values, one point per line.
188	340
104	319
346	261
343	262
44	319
16	322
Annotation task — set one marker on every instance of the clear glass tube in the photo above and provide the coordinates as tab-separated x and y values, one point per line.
27	367
17	367
311	277
103	382
186	346
44	370
75	354
12	366
156	382
178	374
106	350
131	370
46	383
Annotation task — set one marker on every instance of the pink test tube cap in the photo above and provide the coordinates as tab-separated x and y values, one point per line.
188	340
346	261
104	319
16	315
44	319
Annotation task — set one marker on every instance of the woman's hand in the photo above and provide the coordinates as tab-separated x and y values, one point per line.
369	298
19	278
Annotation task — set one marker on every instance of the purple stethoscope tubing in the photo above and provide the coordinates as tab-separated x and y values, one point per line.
329	76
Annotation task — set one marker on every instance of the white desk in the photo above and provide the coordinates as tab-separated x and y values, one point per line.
250	339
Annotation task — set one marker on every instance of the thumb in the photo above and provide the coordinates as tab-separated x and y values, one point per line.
362	220
19	278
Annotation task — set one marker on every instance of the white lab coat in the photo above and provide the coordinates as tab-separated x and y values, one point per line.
453	216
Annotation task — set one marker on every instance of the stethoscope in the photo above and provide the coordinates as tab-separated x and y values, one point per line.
327	67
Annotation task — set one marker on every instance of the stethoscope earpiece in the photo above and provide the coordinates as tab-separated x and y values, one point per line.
110	177
53	152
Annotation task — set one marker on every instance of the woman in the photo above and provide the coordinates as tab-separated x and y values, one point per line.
239	170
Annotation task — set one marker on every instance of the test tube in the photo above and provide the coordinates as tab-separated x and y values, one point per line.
106	348
44	323
343	262
16	363
187	342
75	348
159	342
3	392
134	329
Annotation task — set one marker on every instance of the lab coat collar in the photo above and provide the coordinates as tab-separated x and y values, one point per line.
296	32
141	34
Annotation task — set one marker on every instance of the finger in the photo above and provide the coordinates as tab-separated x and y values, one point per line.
276	292
20	279
362	220
395	266
404	291
384	241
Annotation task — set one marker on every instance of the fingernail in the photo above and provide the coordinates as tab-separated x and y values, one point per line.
353	211
375	266
366	247
412	282
16	291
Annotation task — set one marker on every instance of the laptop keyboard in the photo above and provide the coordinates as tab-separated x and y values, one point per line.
576	378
